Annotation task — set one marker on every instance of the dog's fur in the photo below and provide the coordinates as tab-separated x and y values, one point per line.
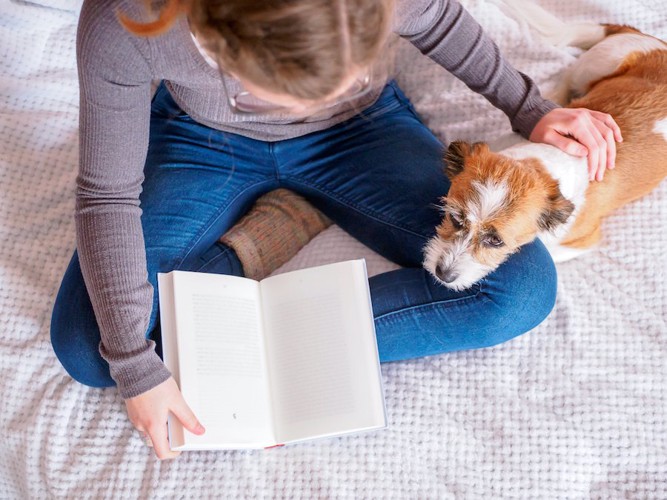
501	201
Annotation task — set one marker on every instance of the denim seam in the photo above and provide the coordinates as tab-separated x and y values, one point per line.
368	114
349	204
214	259
272	154
410	310
205	227
402	98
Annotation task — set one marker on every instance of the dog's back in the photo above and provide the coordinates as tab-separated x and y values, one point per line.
636	96
634	92
622	73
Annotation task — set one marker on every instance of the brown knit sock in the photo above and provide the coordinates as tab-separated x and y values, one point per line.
273	231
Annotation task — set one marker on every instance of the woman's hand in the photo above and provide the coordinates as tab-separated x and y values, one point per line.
148	413
581	132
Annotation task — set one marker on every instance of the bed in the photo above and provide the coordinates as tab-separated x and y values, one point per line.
576	408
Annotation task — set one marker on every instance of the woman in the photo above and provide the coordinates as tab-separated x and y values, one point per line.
262	95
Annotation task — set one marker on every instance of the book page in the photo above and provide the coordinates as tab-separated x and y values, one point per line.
221	355
322	352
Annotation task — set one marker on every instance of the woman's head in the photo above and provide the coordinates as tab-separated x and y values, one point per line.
307	49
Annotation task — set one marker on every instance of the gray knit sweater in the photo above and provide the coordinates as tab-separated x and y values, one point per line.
115	74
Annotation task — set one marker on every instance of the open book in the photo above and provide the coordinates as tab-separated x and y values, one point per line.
261	364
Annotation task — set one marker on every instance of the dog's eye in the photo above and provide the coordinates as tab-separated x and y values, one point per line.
455	222
494	241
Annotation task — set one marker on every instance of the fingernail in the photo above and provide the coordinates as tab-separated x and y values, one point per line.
200	429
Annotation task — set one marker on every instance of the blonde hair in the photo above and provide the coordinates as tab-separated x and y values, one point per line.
304	48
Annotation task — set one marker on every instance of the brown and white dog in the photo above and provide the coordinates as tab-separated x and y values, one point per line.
501	201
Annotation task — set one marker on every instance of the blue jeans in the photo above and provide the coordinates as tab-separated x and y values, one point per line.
379	176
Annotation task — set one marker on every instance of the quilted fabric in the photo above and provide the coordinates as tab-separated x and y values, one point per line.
574	409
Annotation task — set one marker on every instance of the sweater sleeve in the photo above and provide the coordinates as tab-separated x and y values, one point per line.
444	31
114	79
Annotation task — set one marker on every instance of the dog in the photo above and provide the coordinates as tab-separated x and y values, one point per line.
500	201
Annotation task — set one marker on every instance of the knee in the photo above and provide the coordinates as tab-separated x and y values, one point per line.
75	335
535	286
522	292
81	366
80	360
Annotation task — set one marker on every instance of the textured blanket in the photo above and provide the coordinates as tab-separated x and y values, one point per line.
576	408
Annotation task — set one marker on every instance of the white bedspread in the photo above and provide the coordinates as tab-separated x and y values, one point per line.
577	408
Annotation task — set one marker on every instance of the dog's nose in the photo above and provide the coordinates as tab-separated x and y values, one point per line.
445	274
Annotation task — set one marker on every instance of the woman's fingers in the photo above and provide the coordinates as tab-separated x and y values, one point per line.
608	137
158	435
604	130
566	144
595	131
148	413
183	413
609	121
589	135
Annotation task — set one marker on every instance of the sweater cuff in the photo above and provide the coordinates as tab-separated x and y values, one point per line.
531	113
136	372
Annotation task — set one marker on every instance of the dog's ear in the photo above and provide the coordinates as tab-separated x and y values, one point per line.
558	211
456	154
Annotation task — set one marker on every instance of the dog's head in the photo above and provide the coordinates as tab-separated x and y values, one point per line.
495	205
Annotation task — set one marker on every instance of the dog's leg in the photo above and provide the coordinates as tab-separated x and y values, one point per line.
584	237
607	45
561	253
562	93
558	33
551	29
586	230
